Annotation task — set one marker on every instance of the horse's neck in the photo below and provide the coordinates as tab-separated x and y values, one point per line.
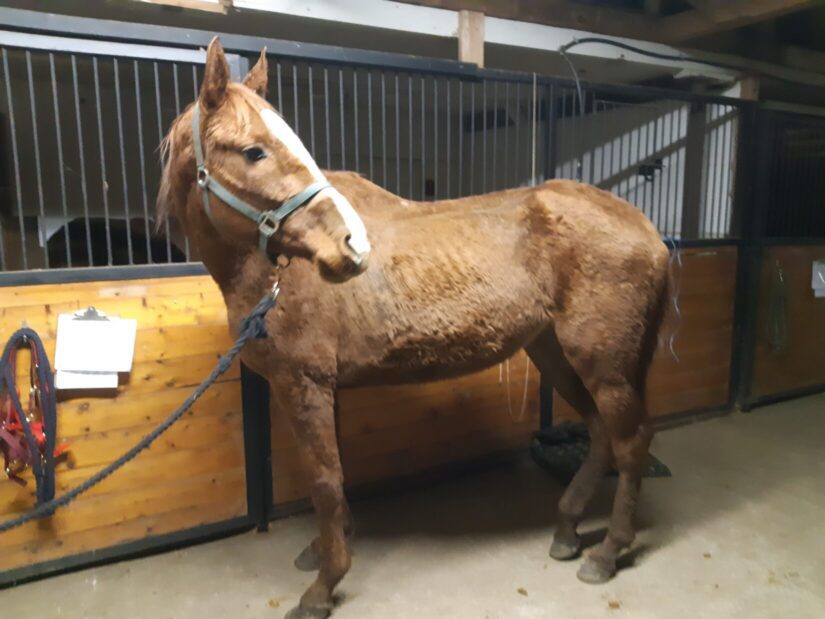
241	274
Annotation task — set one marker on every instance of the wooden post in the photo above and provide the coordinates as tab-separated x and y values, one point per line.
471	37
694	169
749	88
198	5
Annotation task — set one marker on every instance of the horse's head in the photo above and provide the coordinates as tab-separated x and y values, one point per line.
262	186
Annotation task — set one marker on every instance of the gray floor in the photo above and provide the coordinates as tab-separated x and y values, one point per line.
738	531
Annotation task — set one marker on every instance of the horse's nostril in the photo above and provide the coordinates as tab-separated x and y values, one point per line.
354	255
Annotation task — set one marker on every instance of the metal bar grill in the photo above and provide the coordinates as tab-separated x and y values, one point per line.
384	130
82	161
103	184
60	167
472	158
435	138
460	138
326	120
355	113
341	111
311	111
795	185
166	228
123	179
36	146
449	152
484	159
423	140
142	162
410	118
68	210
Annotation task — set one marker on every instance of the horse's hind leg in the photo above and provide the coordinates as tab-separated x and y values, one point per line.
548	356
621	406
309	407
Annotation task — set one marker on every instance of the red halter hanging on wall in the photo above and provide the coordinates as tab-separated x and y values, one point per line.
27	433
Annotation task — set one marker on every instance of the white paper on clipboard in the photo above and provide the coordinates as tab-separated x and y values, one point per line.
102	345
85	380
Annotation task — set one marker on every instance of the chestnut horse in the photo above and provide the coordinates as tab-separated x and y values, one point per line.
573	274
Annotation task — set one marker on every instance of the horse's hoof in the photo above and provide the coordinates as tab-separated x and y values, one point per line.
308	612
564	550
308	560
595	571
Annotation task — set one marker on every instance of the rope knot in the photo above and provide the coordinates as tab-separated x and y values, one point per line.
253	325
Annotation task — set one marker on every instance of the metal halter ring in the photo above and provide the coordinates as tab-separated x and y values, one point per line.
203	177
268	223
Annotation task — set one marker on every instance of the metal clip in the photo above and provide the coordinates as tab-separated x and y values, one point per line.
268	223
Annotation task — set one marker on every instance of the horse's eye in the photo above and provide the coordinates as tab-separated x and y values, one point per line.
253	153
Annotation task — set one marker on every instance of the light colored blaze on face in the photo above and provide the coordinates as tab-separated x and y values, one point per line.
283	132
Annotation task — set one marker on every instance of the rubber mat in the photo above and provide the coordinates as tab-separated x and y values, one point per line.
562	449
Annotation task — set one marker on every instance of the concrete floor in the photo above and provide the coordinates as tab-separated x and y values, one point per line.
738	531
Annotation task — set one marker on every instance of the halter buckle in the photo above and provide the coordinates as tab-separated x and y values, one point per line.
268	223
203	176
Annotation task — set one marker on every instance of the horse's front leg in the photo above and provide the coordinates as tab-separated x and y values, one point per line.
309	407
309	560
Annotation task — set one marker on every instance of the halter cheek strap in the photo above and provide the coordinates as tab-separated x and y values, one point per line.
268	221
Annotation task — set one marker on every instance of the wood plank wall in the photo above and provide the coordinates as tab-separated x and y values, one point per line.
388	432
700	378
193	475
801	363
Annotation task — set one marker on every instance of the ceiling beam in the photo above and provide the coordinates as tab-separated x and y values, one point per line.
559	13
709	16
213	6
712	17
703	6
653	7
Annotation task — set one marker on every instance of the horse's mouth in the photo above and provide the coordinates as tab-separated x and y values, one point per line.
340	269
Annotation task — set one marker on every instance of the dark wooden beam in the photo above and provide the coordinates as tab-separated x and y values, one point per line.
712	17
653	7
709	16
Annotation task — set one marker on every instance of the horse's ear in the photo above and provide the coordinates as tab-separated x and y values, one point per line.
258	78
216	76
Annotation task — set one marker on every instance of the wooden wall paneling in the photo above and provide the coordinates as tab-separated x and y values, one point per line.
389	432
801	363
193	475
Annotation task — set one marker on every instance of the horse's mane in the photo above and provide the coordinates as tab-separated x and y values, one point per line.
165	206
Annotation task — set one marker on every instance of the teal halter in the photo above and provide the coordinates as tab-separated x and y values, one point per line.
268	221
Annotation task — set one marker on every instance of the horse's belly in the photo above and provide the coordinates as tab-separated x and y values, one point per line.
439	351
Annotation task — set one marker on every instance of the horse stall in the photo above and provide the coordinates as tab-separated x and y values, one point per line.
731	186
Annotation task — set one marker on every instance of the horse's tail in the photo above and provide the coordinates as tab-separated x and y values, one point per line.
671	296
665	303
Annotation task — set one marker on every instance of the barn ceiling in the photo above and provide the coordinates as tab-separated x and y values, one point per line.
789	33
780	31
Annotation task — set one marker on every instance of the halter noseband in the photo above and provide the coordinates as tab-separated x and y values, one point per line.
268	221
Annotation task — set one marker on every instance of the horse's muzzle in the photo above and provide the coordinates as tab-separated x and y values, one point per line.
344	264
